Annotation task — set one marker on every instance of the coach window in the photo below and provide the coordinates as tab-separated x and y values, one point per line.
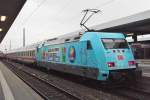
89	46
33	53
30	53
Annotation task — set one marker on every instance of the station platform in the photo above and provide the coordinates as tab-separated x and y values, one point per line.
145	69
144	64
13	88
143	61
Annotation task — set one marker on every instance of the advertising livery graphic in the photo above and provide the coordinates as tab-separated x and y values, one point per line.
72	54
53	54
43	55
63	54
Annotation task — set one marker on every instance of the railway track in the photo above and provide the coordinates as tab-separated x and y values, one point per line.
47	90
78	90
132	93
81	92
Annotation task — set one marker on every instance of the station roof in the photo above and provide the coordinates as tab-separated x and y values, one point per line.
10	9
138	23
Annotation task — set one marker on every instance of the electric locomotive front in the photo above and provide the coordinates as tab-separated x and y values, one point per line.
114	57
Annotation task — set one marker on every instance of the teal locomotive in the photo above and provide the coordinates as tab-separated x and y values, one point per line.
95	55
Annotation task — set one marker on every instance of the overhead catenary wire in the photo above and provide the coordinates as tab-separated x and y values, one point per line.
63	8
98	7
33	12
30	15
57	14
60	12
104	4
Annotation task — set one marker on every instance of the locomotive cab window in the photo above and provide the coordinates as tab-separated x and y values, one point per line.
110	43
89	46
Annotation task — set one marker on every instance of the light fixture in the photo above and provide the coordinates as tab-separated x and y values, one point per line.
130	34
1	29
3	18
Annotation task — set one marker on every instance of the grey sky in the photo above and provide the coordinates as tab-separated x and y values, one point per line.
44	19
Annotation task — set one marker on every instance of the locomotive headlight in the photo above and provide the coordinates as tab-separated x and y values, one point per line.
111	64
131	63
